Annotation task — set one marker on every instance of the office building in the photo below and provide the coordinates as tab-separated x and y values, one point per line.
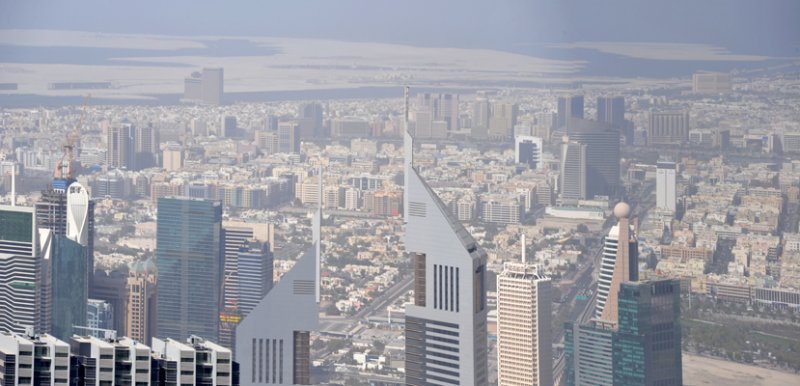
21	276
524	342
569	107
99	316
611	110
572	178
227	127
254	273
668	128
711	83
121	142
347	128
666	186
213	86
528	150
503	119
310	119
445	328
288	137
440	107
501	209
147	147
619	264
172	158
273	343
196	362
647	344
602	155
481	112
189	262
588	354
142	288
109	361
205	87
69	287
27	359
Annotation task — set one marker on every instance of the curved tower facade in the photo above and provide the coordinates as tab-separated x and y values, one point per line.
619	264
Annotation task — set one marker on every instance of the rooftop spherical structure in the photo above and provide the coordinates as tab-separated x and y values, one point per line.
622	210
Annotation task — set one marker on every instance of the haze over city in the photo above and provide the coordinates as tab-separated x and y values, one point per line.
400	193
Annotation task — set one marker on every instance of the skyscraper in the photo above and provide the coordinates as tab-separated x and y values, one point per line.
524	343
528	150
309	116
446	337
619	264
121	152
189	263
141	287
147	147
572	184
21	275
480	118
647	344
273	341
602	155
569	107
288	137
502	120
666	189
611	110
69	287
212	86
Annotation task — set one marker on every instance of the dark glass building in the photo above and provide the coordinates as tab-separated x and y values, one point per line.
602	155
69	284
642	349
189	262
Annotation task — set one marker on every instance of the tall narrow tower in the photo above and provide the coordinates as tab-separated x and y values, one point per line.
619	264
273	341
446	341
524	343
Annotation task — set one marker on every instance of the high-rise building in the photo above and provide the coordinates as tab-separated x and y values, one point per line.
572	183
569	107
255	274
310	119
611	110
480	118
288	137
524	343
147	147
666	186
273	342
503	119
121	142
99	315
647	344
445	328
348	127
228	127
172	158
668	128
441	107
619	264
69	287
21	277
189	263
213	86
196	362
602	155
528	150
642	347
141	287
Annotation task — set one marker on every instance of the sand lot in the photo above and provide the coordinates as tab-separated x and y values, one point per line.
698	371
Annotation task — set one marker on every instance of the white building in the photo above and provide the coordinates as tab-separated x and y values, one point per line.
666	186
524	343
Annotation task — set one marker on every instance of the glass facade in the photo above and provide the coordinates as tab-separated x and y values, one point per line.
189	262
69	284
16	226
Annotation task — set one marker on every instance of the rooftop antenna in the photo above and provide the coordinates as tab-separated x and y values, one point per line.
408	154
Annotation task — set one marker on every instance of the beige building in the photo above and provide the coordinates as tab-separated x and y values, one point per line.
172	158
141	288
524	343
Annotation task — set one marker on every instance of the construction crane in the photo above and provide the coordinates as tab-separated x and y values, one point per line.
66	171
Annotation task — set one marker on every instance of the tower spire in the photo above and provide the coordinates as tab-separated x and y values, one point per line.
317	233
408	154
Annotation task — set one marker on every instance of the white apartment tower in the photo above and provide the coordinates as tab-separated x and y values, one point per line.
524	342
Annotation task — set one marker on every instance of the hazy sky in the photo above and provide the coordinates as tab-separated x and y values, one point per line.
745	26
